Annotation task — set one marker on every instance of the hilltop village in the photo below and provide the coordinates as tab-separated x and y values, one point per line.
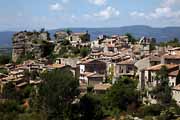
98	65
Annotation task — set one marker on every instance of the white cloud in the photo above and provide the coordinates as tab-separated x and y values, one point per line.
98	2
135	13
56	7
107	13
165	11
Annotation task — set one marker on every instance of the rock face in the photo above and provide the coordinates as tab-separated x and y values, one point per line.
25	43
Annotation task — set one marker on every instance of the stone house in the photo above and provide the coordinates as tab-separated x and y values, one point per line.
176	94
170	59
125	68
92	71
149	80
102	88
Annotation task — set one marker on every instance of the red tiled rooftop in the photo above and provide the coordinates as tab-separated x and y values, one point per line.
158	67
56	66
174	73
102	86
177	87
171	56
127	62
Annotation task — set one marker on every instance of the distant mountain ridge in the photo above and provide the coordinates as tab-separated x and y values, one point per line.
161	34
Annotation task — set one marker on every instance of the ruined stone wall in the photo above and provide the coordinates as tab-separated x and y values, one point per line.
28	42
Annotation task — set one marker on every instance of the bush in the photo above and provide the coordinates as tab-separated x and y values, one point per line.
5	59
3	71
152	110
84	51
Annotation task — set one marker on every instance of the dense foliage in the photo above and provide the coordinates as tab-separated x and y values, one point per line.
57	98
174	43
131	38
163	91
58	91
5	59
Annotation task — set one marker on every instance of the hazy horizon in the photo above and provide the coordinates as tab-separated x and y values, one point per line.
20	15
15	30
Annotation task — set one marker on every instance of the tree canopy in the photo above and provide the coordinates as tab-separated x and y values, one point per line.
163	91
123	94
58	91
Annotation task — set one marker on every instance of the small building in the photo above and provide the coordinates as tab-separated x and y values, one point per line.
149	80
93	65
126	68
101	88
171	59
77	38
91	79
176	93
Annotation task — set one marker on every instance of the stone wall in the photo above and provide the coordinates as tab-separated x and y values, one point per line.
28	42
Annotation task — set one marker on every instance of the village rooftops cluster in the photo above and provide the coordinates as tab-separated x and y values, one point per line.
110	57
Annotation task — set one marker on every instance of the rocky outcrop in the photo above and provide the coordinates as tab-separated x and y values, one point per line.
25	43
75	39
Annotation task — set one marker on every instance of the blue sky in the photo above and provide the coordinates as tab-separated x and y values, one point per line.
51	14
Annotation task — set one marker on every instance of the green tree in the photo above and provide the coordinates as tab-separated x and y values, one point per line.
150	110
3	71
58	91
111	73
163	91
130	38
65	42
84	51
68	31
90	108
75	50
122	94
174	42
9	91
9	110
5	59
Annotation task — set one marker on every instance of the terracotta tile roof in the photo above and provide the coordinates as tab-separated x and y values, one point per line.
56	66
171	56
154	58
177	87
173	49
8	78
22	84
174	73
96	75
110	54
35	82
88	74
16	72
110	45
127	62
102	86
87	61
97	54
158	67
